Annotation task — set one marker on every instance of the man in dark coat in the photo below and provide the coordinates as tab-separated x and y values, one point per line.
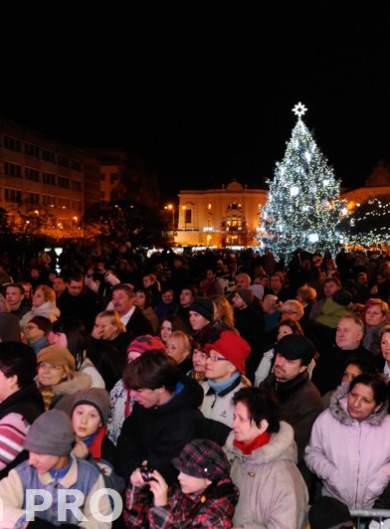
123	301
300	401
164	418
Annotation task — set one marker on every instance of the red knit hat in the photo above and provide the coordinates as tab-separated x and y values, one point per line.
231	346
144	343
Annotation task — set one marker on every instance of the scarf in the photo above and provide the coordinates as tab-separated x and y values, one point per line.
258	442
218	387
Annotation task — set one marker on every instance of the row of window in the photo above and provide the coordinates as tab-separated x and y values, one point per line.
16	196
30	149
11	169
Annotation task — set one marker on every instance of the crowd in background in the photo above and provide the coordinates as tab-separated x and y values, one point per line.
210	389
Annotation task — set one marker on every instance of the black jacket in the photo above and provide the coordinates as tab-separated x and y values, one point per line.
138	325
158	434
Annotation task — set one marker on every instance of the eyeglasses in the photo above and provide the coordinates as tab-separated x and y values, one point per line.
215	358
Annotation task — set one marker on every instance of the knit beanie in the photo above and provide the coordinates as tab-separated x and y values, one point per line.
97	397
57	356
146	342
204	307
51	433
44	324
232	347
246	295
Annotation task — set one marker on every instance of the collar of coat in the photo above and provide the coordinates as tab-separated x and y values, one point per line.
227	390
338	409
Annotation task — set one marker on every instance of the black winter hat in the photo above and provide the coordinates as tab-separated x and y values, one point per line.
202	458
204	307
296	347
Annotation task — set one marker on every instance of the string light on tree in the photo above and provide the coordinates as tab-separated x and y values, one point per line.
303	197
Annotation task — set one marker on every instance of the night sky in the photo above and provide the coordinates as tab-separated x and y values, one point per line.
204	99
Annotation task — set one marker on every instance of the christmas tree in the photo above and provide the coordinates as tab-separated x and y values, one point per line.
303	206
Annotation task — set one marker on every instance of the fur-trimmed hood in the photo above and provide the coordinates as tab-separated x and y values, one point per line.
338	408
280	447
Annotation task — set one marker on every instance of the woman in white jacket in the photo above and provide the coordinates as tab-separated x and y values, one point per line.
263	456
43	304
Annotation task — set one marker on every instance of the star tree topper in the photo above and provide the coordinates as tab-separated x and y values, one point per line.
299	110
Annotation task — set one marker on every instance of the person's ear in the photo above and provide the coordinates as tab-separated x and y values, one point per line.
263	425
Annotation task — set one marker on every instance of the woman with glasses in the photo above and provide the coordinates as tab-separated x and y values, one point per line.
225	370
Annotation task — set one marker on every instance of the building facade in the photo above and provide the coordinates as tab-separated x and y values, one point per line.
43	182
228	216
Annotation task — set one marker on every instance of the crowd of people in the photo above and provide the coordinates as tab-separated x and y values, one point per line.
214	389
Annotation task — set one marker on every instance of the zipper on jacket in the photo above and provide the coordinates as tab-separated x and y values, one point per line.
358	468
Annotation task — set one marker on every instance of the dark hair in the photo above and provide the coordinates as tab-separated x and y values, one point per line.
18	359
148	297
76	336
77	275
261	404
125	287
152	370
15	285
294	326
334	280
376	382
365	363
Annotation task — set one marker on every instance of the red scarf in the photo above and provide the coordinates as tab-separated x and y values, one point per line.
248	448
96	447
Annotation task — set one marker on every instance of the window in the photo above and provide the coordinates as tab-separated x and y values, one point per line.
63	182
76	165
48	156
32	150
33	198
13	195
12	169
76	205
12	144
47	200
114	177
76	185
63	160
188	216
31	174
63	202
49	178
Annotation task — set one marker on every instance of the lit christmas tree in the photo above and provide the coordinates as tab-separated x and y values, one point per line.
303	206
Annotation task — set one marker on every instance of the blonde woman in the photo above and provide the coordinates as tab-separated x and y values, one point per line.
43	304
179	348
223	311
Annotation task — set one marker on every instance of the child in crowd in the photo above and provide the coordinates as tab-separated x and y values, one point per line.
90	413
52	468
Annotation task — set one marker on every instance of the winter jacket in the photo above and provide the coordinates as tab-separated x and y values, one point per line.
351	458
47	310
158	434
213	509
220	407
300	404
17	413
273	494
81	475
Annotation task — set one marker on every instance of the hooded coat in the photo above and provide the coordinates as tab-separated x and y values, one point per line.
351	458
273	494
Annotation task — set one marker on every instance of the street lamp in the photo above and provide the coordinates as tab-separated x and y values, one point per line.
171	207
185	217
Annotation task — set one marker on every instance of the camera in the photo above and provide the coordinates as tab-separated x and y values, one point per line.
146	472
